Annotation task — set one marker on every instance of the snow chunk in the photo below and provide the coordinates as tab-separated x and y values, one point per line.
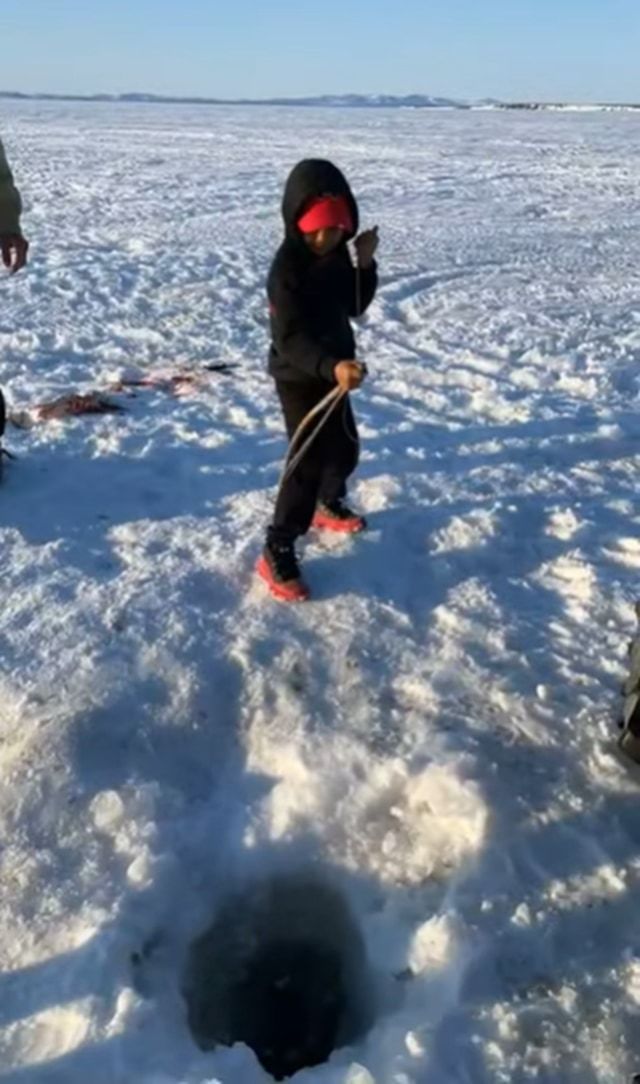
415	1044
522	916
465	533
140	872
605	883
434	944
107	810
563	524
403	825
574	579
52	1033
357	1074
632	981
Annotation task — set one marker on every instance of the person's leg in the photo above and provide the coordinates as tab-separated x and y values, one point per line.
340	458
298	495
340	454
296	500
3	422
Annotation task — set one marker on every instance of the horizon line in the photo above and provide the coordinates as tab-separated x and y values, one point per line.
371	100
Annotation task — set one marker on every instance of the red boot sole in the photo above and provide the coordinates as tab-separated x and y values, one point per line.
296	591
340	526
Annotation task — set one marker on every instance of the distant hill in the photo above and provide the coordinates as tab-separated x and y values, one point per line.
327	101
336	101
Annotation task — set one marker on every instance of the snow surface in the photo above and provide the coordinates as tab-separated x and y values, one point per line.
434	732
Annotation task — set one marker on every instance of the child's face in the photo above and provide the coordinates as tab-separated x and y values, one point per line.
322	242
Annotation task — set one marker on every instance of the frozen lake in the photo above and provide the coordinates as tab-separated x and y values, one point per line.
434	733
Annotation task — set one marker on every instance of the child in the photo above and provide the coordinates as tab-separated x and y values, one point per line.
313	290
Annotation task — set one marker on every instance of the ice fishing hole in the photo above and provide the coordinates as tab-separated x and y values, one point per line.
282	969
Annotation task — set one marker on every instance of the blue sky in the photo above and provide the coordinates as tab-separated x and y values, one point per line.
550	49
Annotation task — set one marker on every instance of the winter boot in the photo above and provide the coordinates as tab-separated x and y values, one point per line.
278	567
336	516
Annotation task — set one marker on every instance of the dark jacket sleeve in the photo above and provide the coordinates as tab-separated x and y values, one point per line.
291	332
362	288
10	204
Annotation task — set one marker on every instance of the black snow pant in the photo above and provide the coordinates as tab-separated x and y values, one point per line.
322	473
3	421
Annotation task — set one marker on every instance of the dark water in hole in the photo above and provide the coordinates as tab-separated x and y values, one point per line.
284	970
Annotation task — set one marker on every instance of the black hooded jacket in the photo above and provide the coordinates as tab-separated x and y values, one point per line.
311	298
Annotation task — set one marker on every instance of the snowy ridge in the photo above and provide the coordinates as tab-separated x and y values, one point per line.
433	734
333	101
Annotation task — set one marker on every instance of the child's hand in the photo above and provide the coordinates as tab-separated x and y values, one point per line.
349	374
366	247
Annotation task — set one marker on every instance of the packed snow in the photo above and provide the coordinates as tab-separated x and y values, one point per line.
433	736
